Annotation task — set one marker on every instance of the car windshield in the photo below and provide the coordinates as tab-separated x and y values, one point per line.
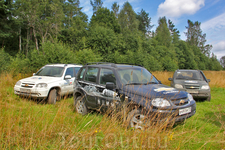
188	75
50	71
136	76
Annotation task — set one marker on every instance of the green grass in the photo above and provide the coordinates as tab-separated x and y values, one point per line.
25	124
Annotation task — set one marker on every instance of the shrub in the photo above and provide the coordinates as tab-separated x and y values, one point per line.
4	61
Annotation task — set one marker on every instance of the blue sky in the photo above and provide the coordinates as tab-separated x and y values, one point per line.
211	14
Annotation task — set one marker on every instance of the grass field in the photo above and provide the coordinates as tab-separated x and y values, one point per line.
25	124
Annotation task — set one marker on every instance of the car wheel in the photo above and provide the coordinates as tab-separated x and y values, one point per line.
80	106
209	98
136	119
52	96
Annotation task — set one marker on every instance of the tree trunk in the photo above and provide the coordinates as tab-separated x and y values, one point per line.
36	41
27	41
20	40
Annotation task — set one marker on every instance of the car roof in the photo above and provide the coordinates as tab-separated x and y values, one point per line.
64	65
187	70
112	65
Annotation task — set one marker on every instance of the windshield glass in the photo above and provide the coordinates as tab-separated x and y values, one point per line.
50	71
188	75
136	76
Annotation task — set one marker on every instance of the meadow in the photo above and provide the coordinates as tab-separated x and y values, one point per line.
27	124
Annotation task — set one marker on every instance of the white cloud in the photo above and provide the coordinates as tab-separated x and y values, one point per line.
215	24
176	8
220	46
215	34
219	49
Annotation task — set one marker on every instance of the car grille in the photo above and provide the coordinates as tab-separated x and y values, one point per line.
192	87
27	85
180	102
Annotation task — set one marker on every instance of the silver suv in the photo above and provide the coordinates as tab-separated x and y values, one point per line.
50	83
193	82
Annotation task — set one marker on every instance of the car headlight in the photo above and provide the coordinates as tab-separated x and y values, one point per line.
41	85
18	83
190	97
178	86
160	102
205	87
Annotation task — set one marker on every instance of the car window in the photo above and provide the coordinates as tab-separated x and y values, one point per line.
91	75
188	75
80	76
70	71
76	69
50	71
136	75
107	75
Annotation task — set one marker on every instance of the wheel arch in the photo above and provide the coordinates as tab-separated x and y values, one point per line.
58	89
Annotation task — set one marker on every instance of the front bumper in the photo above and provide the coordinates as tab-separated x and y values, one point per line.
173	114
31	92
196	93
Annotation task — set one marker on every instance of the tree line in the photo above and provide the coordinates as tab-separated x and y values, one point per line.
36	32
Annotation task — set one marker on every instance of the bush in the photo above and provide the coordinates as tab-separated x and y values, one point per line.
4	61
49	53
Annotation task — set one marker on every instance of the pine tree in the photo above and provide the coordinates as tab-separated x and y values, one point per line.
127	18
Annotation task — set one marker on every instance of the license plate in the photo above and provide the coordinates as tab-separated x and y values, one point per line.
25	90
184	111
192	91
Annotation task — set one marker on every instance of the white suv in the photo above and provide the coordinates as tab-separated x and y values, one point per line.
51	82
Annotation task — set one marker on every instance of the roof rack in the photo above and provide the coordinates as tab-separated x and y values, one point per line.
132	64
98	63
63	64
112	64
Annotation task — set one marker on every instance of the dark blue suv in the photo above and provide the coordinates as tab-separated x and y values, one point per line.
104	86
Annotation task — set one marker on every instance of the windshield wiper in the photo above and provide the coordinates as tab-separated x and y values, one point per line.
133	83
151	83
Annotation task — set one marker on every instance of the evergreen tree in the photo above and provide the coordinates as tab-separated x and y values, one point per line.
162	33
174	32
144	22
8	27
106	18
222	61
115	8
74	27
96	4
195	37
127	18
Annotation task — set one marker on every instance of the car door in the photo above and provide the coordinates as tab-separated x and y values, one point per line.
89	86
68	82
107	98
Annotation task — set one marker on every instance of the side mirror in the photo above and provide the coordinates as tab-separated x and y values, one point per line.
208	80
33	74
170	79
110	85
68	77
160	82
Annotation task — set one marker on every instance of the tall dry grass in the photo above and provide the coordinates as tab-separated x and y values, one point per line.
217	77
24	124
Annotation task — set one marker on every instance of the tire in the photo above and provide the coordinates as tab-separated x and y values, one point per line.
80	105
52	97
136	119
209	98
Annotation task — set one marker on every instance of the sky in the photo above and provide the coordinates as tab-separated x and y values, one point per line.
211	14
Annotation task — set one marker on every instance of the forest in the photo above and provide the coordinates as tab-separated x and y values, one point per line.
38	32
